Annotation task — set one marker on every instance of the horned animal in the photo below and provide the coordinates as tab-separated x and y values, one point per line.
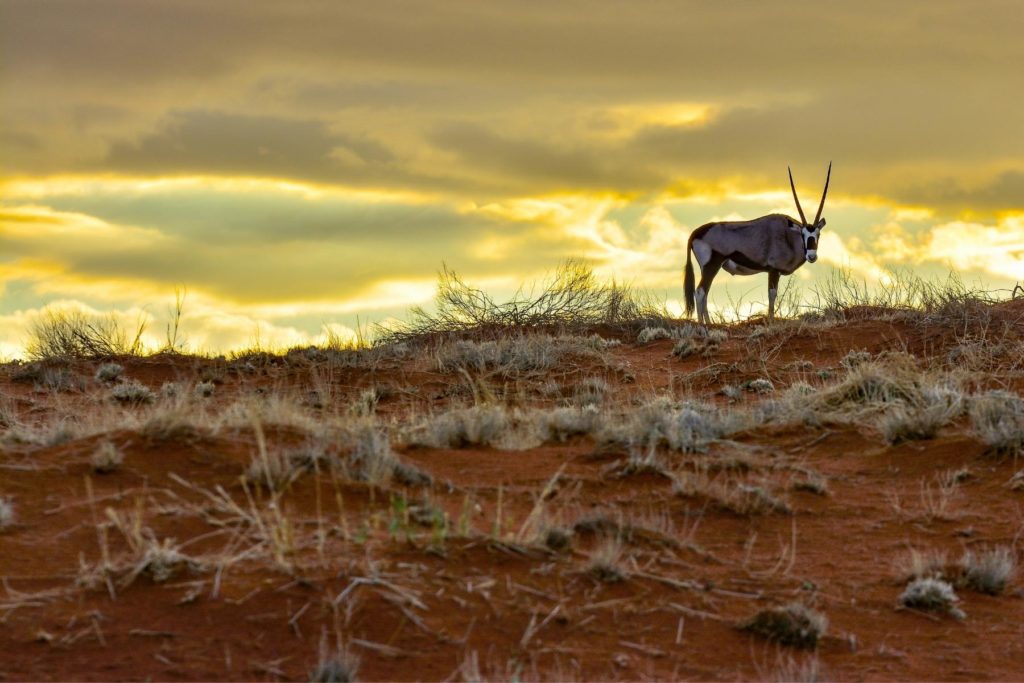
775	244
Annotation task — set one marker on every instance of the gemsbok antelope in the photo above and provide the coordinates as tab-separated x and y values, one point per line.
775	244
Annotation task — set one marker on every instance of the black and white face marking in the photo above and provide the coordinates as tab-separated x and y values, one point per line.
811	236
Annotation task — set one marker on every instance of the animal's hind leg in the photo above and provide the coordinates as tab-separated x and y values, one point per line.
773	290
708	272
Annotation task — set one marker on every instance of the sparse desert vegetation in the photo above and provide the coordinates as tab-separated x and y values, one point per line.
569	486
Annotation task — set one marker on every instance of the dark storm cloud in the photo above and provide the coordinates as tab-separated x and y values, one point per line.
1004	192
358	92
218	142
535	164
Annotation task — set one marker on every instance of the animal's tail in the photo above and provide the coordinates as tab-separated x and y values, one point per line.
688	283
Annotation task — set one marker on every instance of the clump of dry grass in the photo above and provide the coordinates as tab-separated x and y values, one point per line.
652	334
109	372
49	375
161	560
6	513
750	499
932	594
373	461
854	358
997	417
515	355
106	458
561	424
685	348
793	624
761	385
923	418
483	425
605	563
335	667
922	564
204	389
989	571
591	391
132	393
660	422
888	380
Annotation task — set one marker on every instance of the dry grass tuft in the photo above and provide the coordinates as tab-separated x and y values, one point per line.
934	408
793	624
6	513
109	372
605	563
933	595
340	666
660	422
997	417
482	425
989	571
132	393
106	458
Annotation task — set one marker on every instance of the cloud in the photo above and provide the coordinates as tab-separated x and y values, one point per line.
204	141
1004	191
996	249
365	93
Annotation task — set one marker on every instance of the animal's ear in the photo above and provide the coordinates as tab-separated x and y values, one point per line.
820	224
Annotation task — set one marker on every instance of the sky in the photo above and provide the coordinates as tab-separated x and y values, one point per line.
303	166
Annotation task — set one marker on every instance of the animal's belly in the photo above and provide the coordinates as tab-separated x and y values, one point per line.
734	268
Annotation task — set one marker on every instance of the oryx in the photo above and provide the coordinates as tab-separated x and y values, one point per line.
775	244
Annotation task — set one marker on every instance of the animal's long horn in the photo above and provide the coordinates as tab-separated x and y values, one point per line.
798	207
822	205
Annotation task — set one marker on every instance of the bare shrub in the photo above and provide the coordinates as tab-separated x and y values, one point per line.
76	334
997	417
793	624
989	571
932	594
204	389
572	300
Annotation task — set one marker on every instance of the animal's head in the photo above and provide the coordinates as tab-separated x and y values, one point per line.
811	231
